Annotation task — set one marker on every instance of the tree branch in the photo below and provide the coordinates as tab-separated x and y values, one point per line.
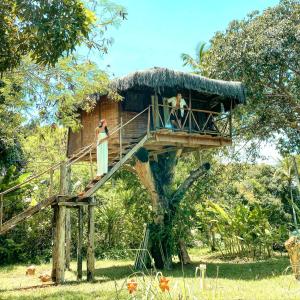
178	195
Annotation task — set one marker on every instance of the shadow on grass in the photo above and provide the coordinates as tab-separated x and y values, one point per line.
242	271
68	295
229	270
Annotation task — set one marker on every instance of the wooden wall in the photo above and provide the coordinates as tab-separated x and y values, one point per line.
137	128
104	109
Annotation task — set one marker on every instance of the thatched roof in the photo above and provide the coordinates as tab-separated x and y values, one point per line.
159	78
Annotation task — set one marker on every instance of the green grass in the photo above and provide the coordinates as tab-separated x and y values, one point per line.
237	279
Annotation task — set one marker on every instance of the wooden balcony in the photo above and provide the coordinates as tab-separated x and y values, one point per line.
197	129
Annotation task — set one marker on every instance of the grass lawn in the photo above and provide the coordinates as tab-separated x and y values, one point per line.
236	280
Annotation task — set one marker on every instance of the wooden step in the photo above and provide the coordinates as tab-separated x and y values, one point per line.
115	167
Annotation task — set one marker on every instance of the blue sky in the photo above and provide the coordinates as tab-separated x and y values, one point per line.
158	31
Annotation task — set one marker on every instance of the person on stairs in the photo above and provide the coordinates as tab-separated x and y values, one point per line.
102	135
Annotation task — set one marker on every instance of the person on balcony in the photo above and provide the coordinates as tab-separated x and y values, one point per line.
177	113
102	135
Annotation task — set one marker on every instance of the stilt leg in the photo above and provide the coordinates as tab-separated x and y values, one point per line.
79	243
68	238
60	244
54	220
90	249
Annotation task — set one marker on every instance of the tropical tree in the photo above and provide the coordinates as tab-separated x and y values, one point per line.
195	63
46	30
262	51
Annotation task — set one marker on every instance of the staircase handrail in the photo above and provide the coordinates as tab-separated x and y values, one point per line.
82	152
15	187
118	128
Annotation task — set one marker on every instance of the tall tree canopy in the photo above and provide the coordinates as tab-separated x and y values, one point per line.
46	29
40	79
263	52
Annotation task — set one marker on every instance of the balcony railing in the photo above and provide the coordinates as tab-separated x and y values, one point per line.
192	121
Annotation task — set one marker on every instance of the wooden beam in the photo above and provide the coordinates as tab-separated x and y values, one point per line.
79	243
91	247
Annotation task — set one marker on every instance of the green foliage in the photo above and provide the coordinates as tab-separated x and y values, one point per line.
195	64
46	30
262	51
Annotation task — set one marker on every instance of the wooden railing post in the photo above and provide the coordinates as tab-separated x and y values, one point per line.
190	111
63	183
120	138
91	165
230	120
149	121
51	173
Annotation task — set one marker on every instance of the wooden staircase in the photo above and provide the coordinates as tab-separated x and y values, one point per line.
116	161
114	165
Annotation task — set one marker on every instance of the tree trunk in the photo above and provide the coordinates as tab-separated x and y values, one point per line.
157	176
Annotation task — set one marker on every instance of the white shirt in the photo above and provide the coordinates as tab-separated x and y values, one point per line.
182	103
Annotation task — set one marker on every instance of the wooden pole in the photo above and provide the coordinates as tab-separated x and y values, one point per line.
230	120
60	244
190	111
149	124
54	220
91	247
79	242
51	173
120	138
91	165
68	220
58	265
68	238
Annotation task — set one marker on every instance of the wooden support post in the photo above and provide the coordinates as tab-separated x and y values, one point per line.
90	248
230	120
153	112
68	238
157	111
60	244
190	111
54	220
120	138
59	226
68	220
149	121
63	186
79	242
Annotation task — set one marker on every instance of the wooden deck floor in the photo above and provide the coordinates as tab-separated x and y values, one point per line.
167	140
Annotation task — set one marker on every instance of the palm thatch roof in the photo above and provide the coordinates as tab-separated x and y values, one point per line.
159	78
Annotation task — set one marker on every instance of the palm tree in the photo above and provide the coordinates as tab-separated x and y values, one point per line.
195	63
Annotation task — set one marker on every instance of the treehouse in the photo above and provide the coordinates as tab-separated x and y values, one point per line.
153	119
205	120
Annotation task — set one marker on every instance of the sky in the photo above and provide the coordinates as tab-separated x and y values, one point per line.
158	31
